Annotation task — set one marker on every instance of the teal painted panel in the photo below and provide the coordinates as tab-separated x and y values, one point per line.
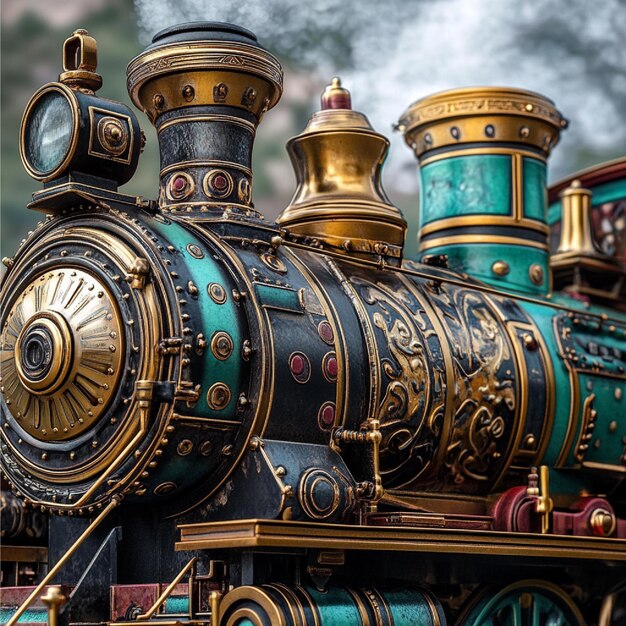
335	606
410	607
466	185
225	317
599	348
32	616
278	298
609	403
606	445
534	189
609	192
554	212
177	605
477	259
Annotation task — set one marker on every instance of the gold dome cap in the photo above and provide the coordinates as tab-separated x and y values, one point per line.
479	115
339	199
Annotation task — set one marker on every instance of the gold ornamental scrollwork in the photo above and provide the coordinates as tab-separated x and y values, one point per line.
410	407
485	393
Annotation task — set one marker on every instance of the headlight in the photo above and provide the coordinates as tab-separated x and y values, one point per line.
49	132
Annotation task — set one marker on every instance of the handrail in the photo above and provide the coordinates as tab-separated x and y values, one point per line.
168	591
53	572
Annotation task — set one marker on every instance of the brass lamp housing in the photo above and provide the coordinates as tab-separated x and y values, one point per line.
339	199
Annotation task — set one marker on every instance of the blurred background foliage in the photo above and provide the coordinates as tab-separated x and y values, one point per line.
389	54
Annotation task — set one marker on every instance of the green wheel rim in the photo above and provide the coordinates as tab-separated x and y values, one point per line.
526	603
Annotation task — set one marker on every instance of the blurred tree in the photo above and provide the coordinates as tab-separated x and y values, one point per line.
31	56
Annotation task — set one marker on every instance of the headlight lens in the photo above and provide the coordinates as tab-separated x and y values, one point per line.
48	132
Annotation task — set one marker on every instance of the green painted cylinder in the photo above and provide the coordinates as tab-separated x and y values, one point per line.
293	605
482	155
487	213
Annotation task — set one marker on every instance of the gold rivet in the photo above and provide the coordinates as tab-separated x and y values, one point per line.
535	272
529	341
218	396
500	268
184	447
613	426
221	345
529	442
217	293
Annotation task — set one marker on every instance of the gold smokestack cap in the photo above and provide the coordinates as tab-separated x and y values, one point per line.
339	199
204	63
482	115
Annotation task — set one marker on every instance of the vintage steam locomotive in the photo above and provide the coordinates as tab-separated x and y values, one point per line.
228	421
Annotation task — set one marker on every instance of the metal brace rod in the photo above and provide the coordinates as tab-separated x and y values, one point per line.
165	595
53	572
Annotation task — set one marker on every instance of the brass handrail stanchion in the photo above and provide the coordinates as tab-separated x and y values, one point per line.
52	573
54	599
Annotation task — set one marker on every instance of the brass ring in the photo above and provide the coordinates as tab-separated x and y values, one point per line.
60	357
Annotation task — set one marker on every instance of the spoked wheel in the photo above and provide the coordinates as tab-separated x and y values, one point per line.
525	603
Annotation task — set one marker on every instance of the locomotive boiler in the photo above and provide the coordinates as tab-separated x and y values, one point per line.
295	419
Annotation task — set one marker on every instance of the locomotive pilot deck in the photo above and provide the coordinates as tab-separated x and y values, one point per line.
262	533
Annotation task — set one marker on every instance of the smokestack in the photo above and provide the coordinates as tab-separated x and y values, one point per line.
482	153
205	86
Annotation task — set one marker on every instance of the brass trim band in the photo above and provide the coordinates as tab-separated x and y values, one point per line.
517	182
468	221
480	151
467	101
465	239
218	118
203	56
183	165
482	115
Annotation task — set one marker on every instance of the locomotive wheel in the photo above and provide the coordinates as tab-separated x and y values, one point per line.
525	603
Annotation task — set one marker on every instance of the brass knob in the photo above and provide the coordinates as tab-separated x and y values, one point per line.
602	522
54	600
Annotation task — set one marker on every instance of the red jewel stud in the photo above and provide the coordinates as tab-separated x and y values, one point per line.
297	364
179	183
300	367
330	367
220	183
326	415
326	333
